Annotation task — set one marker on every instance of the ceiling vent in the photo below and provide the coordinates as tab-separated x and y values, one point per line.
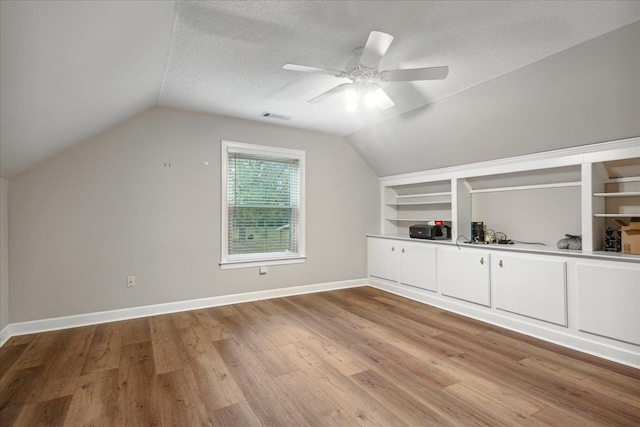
268	115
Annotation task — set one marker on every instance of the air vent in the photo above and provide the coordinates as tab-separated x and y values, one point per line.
268	115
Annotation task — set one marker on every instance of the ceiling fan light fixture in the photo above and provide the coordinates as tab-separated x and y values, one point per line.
382	99
352	95
371	97
351	106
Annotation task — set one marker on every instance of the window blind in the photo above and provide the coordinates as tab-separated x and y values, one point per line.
263	199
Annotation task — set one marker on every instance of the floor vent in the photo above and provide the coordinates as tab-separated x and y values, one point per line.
274	116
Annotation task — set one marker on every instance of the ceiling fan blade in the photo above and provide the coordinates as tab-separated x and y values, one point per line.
431	73
330	93
382	99
374	50
307	69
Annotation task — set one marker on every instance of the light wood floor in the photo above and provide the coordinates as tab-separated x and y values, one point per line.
349	357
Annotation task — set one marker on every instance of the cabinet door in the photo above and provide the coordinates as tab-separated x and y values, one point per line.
382	258
464	274
418	265
609	301
531	286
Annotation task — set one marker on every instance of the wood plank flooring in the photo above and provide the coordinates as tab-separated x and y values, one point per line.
342	358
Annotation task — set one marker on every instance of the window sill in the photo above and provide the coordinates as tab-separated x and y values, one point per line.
228	265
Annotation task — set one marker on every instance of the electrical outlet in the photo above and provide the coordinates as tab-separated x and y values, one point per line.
131	281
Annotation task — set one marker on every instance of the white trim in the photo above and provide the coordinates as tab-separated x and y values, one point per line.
5	334
546	333
263	150
45	325
229	265
604	151
527	187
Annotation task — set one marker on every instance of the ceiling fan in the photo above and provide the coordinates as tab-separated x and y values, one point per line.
363	72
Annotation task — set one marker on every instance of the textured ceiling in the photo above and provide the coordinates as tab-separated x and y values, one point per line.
72	69
227	57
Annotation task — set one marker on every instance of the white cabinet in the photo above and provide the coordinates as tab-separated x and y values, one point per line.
409	263
382	258
531	286
609	300
581	301
418	265
464	274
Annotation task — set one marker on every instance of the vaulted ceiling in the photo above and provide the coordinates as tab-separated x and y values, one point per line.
71	69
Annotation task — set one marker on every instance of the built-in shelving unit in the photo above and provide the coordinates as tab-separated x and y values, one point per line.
534	198
585	299
415	203
615	194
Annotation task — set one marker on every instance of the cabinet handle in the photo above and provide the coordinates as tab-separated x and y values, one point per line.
402	250
500	263
393	248
482	261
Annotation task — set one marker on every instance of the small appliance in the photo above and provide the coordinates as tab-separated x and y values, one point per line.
431	232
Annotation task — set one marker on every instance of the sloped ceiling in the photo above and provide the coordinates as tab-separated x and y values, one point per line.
71	69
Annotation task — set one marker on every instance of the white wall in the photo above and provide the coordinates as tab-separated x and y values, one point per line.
83	220
4	253
586	94
538	215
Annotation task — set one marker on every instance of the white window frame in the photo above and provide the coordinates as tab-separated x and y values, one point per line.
259	260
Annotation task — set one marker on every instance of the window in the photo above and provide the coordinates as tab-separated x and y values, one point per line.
262	205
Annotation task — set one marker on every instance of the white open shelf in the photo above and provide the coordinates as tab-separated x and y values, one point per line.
418	219
629	215
417	202
413	196
619	180
435	202
619	194
527	187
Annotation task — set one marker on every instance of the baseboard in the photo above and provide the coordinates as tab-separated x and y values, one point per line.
5	334
45	325
569	339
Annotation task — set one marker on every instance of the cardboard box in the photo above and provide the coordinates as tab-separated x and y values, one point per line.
631	238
